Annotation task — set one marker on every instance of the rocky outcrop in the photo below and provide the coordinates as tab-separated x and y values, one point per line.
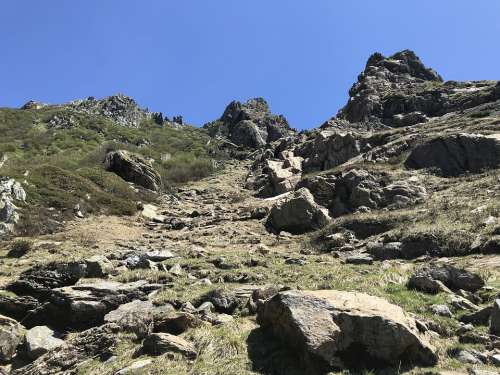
345	329
297	213
249	124
359	189
96	344
119	108
432	278
455	154
329	149
400	91
274	176
11	192
59	300
133	168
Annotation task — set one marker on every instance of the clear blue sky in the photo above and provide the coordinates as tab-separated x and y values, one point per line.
192	57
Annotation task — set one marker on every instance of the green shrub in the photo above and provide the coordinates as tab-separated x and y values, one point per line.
20	248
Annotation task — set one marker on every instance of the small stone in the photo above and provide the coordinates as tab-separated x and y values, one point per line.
441	310
160	255
176	270
134	367
465	356
359	259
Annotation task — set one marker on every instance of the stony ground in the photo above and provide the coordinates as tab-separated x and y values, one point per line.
212	226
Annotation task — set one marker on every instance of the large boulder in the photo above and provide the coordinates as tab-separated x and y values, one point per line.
249	124
346	329
59	300
456	154
11	335
347	191
133	168
138	316
430	279
297	213
85	305
329	149
39	340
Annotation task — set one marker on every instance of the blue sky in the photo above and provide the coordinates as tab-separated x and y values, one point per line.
192	57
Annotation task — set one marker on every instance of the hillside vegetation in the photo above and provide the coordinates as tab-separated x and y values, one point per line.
62	163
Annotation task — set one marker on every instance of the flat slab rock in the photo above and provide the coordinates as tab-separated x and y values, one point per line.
87	304
345	328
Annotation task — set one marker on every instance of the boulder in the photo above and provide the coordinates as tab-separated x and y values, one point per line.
355	189
39	340
329	149
137	316
495	318
454	278
98	266
176	322
133	168
96	343
11	335
85	305
297	213
249	124
224	300
480	317
456	154
39	281
161	343
346	329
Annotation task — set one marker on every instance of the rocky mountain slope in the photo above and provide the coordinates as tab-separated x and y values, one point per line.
370	245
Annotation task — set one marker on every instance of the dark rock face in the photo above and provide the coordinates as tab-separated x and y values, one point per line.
456	154
133	168
249	124
119	108
400	91
345	329
40	280
452	277
349	191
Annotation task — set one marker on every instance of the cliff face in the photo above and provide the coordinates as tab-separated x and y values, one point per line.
400	90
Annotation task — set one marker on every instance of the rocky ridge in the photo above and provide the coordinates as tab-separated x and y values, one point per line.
351	247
